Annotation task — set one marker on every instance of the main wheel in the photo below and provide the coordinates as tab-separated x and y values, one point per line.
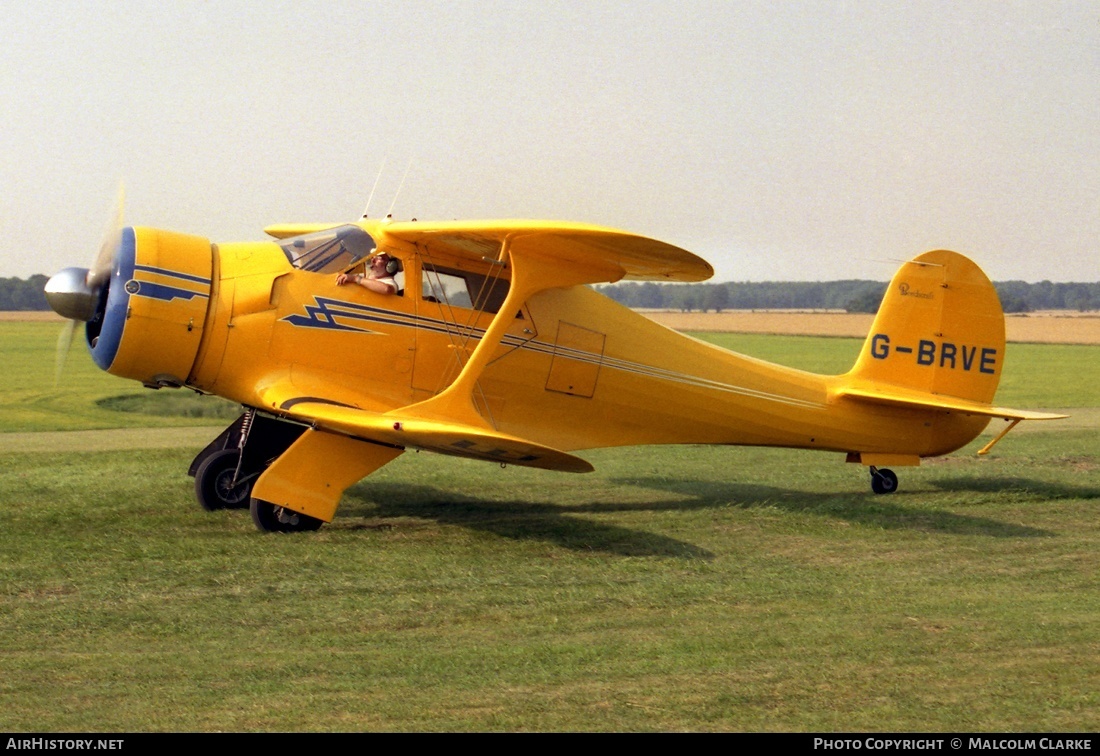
273	519
214	482
883	481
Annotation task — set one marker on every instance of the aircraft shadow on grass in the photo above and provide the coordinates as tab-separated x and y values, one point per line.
531	520
1038	489
864	508
566	526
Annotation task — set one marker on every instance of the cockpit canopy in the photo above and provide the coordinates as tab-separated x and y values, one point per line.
329	251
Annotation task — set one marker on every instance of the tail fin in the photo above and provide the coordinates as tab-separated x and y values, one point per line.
940	330
938	343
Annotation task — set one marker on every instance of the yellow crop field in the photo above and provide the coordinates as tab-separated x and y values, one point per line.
29	316
1053	327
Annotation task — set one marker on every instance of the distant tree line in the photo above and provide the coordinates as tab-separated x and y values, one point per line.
852	296
19	294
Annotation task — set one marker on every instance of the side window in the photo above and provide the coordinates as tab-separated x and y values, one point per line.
445	288
460	288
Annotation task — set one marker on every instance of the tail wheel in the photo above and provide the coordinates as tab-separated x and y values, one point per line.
883	481
214	482
270	518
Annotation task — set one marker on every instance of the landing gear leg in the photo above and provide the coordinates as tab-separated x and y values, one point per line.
883	481
226	469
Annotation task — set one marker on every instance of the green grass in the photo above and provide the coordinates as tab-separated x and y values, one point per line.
676	588
85	397
828	356
749	590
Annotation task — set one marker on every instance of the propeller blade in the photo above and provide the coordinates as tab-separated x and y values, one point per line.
103	264
64	344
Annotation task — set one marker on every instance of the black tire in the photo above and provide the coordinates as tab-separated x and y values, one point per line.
213	482
884	481
269	518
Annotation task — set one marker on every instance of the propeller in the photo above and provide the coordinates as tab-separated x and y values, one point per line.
74	293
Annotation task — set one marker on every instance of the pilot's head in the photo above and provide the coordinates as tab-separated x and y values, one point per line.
385	263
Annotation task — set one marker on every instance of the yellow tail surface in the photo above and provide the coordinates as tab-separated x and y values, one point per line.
939	331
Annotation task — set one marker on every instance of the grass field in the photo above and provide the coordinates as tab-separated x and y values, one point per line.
676	588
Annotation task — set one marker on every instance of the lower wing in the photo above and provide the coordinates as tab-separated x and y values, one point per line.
440	436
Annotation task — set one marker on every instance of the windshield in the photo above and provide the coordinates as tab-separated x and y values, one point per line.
329	251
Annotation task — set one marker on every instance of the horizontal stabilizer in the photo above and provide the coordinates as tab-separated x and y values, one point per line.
896	396
440	436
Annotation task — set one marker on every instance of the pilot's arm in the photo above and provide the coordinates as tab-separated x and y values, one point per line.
378	287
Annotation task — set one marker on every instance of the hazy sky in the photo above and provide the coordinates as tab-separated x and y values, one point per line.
779	140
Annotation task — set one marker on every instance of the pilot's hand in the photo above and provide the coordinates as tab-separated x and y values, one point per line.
342	279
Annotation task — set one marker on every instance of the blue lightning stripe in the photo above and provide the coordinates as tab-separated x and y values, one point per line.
167	292
323	315
324	312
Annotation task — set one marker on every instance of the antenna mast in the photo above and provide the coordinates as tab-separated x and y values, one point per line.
398	192
371	197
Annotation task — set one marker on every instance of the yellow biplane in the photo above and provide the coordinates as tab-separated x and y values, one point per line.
494	347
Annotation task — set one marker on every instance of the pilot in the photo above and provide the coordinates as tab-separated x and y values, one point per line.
380	280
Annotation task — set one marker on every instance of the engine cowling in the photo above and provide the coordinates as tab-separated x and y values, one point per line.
150	317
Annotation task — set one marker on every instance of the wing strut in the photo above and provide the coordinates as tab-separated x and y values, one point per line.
461	334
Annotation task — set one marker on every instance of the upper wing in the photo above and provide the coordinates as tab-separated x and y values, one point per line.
609	254
443	437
